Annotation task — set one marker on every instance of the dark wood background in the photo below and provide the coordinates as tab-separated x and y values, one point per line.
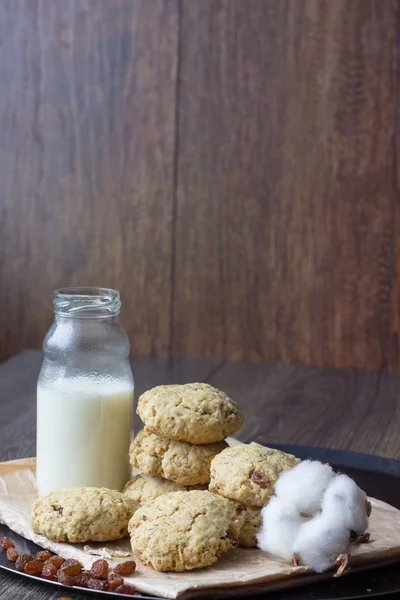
231	166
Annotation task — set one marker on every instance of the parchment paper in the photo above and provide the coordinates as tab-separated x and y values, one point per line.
240	569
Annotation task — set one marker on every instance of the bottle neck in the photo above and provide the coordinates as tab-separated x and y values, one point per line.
62	319
86	303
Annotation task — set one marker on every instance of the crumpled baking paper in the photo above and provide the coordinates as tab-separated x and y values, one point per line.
240	571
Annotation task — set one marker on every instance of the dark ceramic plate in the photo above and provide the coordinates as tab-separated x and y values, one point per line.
379	477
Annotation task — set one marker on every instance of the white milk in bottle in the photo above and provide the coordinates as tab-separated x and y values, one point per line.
84	394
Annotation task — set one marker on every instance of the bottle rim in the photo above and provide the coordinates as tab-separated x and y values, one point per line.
86	302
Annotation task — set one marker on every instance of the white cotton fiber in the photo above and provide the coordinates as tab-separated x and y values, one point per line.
305	485
323	538
320	541
280	525
337	504
344	500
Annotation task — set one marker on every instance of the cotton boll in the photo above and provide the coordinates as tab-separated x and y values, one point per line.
320	541
305	485
347	502
280	525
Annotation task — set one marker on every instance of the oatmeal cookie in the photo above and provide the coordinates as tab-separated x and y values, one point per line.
142	488
196	413
79	515
249	521
182	530
179	462
247	473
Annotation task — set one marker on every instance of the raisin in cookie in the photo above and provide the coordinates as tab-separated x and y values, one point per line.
195	412
247	473
182	530
249	523
79	515
179	462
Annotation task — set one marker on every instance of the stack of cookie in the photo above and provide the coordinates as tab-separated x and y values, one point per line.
185	428
246	474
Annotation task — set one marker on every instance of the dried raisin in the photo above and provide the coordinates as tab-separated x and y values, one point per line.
55	560
49	571
64	578
12	554
126	568
43	555
33	567
81	580
115	580
259	478
71	567
129	590
99	569
22	560
6	543
97	584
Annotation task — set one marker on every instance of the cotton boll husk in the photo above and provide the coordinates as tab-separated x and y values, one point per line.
320	541
280	525
345	499
305	485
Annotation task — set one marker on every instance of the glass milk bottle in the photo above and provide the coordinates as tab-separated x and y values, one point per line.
84	394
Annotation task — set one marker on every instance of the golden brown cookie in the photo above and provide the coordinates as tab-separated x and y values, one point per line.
249	523
247	473
180	462
142	488
182	530
196	413
82	515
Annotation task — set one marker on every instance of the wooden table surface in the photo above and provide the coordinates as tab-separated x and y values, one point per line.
343	409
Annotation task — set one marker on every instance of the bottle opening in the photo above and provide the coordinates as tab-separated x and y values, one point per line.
86	302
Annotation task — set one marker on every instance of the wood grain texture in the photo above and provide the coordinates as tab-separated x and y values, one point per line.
86	161
230	166
394	343
286	193
333	408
